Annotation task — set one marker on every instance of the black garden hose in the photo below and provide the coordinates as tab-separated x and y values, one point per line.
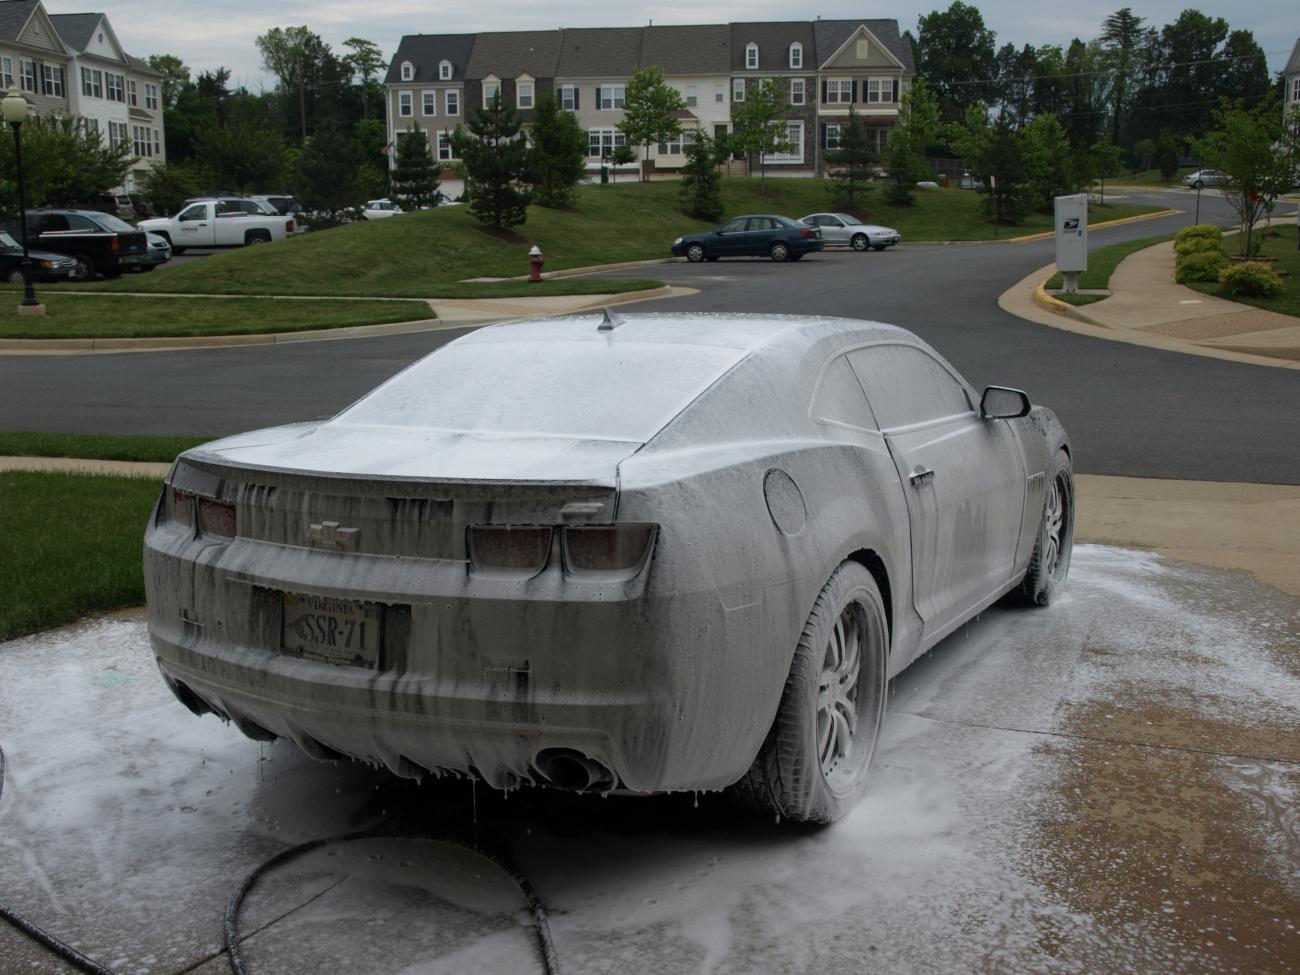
230	927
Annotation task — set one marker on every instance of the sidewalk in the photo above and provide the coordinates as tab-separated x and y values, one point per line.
1147	308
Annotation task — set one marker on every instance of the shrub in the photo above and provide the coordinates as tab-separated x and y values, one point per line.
1203	266
1251	278
1205	231
1198	245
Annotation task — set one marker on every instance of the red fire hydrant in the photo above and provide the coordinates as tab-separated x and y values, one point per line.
535	264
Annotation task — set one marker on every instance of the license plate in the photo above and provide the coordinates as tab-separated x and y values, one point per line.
340	631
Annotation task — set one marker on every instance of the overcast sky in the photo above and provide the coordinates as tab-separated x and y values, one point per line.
222	32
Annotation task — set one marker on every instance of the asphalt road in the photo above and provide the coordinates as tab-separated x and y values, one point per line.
1130	410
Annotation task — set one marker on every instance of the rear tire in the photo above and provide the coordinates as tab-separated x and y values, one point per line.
177	251
695	253
813	765
15	276
779	252
256	237
860	242
1050	564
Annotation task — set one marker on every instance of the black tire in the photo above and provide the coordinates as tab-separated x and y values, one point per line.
256	237
796	257
695	253
1050	563
85	269
1197	185
859	242
813	765
780	251
177	251
714	258
14	276
878	247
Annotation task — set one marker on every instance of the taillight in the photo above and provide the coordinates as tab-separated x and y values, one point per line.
180	507
808	233
288	226
607	548
217	517
516	549
117	242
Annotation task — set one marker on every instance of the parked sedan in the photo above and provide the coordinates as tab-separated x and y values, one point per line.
756	235
1205	177
380	210
846	230
653	554
160	251
45	266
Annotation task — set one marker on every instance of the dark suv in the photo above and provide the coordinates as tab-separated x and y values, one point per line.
100	243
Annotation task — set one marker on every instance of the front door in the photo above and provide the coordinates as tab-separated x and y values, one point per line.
193	228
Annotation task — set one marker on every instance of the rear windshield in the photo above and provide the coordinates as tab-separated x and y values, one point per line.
585	390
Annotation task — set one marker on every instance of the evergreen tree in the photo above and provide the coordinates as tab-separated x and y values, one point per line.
1121	37
414	179
854	159
994	154
701	191
559	153
495	154
328	172
649	110
1046	152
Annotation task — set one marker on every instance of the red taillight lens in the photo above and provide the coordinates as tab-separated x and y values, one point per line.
217	517
288	226
518	549
808	233
117	242
180	507
607	548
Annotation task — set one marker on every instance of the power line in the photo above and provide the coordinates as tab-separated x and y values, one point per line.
1111	71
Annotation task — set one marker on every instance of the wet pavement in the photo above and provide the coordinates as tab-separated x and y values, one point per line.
1107	785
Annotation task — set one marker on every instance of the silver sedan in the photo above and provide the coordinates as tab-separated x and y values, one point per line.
1205	177
846	230
660	553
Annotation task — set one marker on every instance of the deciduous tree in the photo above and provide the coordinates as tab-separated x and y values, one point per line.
242	155
853	160
955	53
649	110
906	151
63	165
759	126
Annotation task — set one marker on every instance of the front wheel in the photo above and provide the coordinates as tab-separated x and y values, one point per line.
177	251
813	765
15	276
1197	185
1050	563
85	269
860	242
695	253
779	251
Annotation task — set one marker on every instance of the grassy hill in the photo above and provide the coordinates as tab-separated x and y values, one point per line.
426	254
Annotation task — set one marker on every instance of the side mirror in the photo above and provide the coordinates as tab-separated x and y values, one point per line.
1001	403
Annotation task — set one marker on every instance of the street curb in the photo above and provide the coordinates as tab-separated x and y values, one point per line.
1099	226
574	272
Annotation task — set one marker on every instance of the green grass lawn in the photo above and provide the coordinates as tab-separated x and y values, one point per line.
1282	245
426	254
122	316
149	449
1102	263
72	545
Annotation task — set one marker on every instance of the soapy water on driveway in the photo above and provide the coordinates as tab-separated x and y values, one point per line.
1107	785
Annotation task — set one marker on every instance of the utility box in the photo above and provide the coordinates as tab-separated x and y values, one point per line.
1071	238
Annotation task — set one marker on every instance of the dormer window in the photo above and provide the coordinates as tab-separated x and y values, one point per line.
796	55
408	71
444	71
751	56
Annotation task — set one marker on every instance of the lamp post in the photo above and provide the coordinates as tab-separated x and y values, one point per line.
15	111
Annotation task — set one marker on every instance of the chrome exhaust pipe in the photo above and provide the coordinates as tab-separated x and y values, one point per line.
569	769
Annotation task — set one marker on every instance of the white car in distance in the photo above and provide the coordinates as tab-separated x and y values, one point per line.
846	230
380	210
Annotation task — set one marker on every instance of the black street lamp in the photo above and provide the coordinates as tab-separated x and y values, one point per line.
16	112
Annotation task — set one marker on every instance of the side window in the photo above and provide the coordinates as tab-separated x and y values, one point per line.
906	385
52	223
196	212
734	227
84	224
762	223
839	398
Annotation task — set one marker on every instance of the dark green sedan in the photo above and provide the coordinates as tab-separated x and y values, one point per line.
753	235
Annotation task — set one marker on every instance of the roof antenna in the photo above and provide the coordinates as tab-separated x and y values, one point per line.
610	321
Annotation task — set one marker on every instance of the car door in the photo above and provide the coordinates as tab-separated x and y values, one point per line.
963	477
229	224
193	226
728	240
758	237
832	228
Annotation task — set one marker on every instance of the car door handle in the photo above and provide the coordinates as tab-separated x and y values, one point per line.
920	476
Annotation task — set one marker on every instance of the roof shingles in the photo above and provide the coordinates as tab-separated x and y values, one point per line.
427	51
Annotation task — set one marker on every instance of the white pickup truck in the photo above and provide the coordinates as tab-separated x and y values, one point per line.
219	223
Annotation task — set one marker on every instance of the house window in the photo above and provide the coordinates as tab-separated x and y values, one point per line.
751	56
794	136
839	92
27	75
53	80
444	146
91	125
796	91
92	83
141	143
408	71
116	87
864	49
880	90
1295	89
489	92
796	55
737	89
610	97
719	94
131	97
877	136
444	71
429	102
569	98
7	73
601	142
678	146
117	132
524	94
157	143
690	96
832	136
151	96
452	102
404	103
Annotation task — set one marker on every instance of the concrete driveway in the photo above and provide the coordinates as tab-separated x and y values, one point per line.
1107	785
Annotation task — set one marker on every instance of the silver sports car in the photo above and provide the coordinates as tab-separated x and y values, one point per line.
660	553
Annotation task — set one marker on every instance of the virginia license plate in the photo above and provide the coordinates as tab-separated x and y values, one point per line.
340	631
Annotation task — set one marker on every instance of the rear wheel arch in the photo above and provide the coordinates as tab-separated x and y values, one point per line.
873	563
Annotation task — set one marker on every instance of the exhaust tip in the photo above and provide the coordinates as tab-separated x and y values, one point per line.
571	770
183	693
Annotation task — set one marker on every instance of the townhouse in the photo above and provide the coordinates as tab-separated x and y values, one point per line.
74	65
824	67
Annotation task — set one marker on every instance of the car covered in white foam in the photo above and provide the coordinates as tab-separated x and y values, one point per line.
595	553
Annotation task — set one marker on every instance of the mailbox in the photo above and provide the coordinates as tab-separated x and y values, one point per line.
1072	238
